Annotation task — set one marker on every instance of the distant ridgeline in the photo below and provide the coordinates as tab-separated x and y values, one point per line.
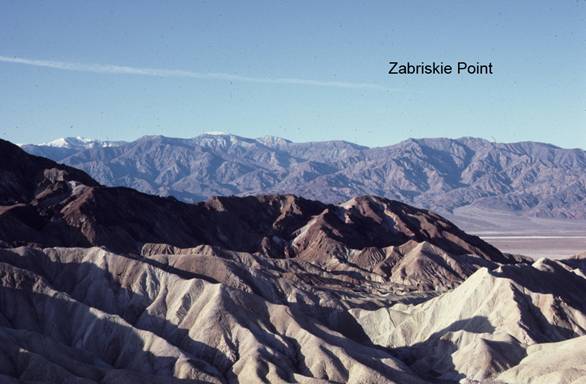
527	178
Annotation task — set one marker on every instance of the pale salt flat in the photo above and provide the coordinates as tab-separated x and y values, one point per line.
536	246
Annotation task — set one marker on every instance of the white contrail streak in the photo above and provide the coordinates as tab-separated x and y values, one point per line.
161	72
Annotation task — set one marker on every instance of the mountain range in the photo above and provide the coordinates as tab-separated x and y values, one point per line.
446	175
108	285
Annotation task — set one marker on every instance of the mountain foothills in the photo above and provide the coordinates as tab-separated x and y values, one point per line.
111	285
527	178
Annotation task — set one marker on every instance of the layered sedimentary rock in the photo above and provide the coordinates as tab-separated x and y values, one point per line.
486	324
92	314
110	285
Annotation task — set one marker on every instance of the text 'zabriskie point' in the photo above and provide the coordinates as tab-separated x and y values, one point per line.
462	68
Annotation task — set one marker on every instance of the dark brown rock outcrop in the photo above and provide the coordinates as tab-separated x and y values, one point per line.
48	204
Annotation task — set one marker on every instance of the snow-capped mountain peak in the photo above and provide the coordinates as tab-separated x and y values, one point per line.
69	142
273	141
79	142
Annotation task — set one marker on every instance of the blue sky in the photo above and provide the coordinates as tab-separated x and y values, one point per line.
304	70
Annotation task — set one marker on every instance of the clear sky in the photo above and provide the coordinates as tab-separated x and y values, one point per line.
305	70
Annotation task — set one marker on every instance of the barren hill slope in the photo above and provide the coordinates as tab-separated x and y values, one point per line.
111	285
486	324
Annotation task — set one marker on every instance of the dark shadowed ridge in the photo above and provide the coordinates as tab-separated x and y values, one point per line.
71	209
